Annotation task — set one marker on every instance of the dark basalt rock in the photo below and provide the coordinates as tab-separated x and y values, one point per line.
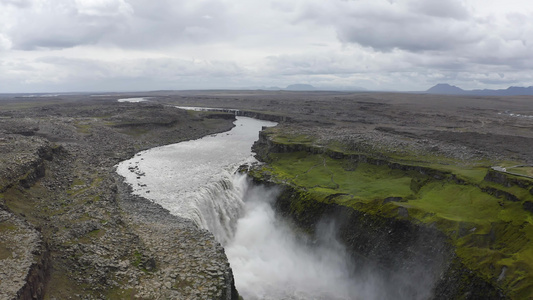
398	248
528	206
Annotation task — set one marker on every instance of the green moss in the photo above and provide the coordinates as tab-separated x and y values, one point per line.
118	293
522	194
18	202
83	127
364	182
7	226
5	252
135	131
77	182
473	174
137	259
457	202
91	236
298	139
485	221
527	171
79	187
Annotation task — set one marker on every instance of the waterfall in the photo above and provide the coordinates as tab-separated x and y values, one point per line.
218	206
197	180
269	260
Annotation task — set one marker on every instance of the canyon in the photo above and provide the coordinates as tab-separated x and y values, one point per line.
407	179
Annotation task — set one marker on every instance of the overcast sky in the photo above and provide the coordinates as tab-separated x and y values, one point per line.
118	45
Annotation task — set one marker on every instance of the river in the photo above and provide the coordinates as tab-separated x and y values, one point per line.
198	180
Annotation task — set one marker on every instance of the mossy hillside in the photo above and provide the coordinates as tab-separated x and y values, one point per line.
492	235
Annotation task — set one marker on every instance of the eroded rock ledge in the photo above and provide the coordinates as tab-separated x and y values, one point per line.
23	253
23	259
69	228
392	223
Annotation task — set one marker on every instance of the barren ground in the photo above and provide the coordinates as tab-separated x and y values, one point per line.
60	199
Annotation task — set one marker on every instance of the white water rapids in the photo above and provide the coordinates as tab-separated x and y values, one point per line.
197	180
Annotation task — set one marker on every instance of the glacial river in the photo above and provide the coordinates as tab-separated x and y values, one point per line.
197	180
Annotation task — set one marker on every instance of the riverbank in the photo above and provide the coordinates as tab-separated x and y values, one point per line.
82	234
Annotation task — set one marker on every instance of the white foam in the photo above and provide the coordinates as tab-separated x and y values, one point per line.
194	179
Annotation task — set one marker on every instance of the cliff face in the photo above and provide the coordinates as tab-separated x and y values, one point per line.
419	257
23	259
68	226
23	253
401	215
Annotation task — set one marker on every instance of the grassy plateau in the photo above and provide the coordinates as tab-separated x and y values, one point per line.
487	221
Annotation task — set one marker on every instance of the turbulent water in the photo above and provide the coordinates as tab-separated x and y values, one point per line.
194	179
270	261
197	180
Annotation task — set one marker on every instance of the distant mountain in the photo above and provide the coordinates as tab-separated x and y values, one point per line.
300	87
510	91
446	89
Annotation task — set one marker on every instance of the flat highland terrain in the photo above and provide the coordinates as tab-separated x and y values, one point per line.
70	230
463	127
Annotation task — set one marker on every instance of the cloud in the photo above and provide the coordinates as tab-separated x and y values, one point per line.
157	23
349	60
17	3
444	9
64	23
136	23
407	45
57	69
142	24
5	43
416	25
103	8
427	36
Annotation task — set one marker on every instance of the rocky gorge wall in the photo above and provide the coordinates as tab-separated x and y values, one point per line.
68	226
421	254
418	259
24	255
